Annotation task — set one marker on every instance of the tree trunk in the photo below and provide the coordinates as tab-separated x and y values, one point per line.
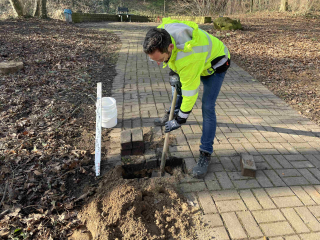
17	7
40	9
251	5
284	6
43	9
36	9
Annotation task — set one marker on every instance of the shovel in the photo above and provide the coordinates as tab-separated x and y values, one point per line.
166	141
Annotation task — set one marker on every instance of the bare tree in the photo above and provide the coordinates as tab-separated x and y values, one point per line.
17	7
284	6
202	7
40	9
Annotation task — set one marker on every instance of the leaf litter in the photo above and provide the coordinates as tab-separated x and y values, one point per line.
281	50
48	188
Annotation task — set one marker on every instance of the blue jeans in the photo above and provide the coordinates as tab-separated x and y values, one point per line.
211	88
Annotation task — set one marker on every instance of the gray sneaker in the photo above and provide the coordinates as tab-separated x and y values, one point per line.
201	169
163	120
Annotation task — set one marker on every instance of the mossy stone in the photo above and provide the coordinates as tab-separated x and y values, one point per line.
226	23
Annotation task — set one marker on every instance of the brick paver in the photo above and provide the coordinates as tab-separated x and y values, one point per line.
282	202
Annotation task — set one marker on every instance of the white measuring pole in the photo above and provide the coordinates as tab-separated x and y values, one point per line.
98	128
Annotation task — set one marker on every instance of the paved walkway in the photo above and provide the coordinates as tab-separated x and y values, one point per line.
283	201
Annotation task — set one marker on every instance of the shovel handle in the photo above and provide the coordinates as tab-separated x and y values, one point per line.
166	140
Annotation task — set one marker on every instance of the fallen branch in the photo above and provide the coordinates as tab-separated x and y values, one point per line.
4	193
4	213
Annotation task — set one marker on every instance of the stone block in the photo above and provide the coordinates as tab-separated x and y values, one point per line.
126	140
137	151
125	152
248	166
151	163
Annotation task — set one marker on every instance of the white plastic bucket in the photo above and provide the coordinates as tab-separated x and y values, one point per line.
109	112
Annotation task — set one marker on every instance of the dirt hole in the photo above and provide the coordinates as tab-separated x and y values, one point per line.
144	170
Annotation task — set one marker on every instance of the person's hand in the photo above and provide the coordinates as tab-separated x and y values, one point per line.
171	125
175	82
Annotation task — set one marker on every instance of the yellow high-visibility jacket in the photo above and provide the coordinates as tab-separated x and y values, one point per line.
194	50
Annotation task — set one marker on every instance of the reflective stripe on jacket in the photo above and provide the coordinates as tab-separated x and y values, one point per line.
193	52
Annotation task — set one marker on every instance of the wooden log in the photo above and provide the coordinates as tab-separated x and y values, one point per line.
10	67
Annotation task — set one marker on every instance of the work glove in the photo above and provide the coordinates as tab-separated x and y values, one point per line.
175	82
175	123
171	125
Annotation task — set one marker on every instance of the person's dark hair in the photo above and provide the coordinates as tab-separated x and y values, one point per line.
156	39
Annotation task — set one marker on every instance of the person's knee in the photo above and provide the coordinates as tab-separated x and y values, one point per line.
209	109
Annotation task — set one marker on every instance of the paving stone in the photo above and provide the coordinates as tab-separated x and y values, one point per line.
302	195
193	187
315	172
212	220
265	216
227	164
248	166
262	179
126	140
189	164
276	229
250	201
306	173
231	206
206	202
295	220
315	210
302	164
249	224
284	163
212	233
313	193
295	181
224	180
291	237
274	178
287	201
235	229
215	167
212	185
308	218
288	173
315	161
295	157
310	236
263	199
245	184
279	192
225	195
272	161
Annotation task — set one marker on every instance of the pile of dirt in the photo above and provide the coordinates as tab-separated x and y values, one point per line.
138	209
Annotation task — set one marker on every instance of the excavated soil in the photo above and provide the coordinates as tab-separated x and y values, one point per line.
146	208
